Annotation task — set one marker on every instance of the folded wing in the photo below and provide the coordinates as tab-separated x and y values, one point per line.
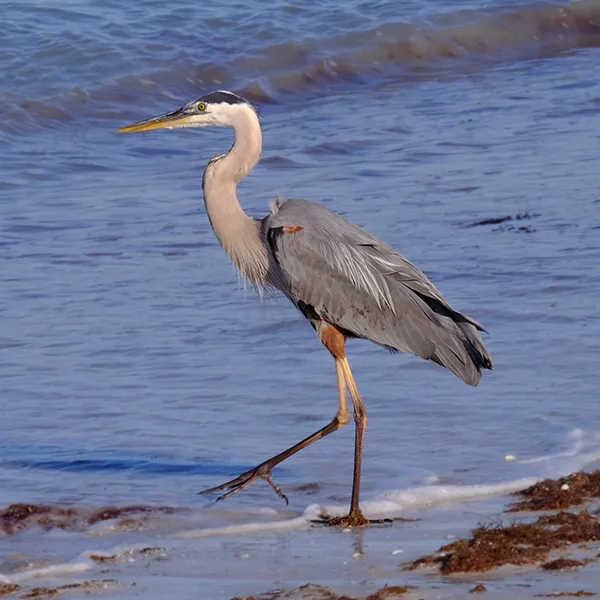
337	272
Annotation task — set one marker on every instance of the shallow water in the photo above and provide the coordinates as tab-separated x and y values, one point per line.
136	369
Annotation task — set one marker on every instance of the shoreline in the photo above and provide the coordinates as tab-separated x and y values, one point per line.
543	542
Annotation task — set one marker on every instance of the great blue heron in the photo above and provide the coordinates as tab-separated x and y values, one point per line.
345	281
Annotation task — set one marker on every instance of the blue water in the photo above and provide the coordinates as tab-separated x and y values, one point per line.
135	368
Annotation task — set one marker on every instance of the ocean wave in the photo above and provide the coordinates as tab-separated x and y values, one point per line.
396	50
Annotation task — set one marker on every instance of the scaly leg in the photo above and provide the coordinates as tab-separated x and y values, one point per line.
263	471
355	517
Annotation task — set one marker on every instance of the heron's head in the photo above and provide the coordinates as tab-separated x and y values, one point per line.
217	109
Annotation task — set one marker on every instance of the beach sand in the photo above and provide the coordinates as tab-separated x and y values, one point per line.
543	542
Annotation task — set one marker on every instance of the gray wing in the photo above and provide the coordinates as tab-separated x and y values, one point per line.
338	272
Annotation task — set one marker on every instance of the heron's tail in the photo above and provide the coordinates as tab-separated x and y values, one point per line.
473	358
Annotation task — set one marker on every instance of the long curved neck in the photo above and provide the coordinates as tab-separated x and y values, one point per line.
238	234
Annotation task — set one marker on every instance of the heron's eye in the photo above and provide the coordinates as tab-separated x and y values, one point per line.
201	106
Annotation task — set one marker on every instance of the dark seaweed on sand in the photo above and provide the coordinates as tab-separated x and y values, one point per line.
558	494
493	546
318	592
17	517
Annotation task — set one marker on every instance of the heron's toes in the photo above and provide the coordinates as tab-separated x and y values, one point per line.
246	479
237	485
269	479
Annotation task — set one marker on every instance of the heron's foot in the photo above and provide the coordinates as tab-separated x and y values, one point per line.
262	471
354	519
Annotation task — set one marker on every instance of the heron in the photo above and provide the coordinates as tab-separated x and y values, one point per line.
345	281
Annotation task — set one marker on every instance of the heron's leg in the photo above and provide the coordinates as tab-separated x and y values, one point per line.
355	517
263	471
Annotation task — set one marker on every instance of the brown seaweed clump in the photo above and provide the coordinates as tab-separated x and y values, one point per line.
562	564
85	586
390	592
19	516
577	594
517	544
16	517
8	589
318	592
558	494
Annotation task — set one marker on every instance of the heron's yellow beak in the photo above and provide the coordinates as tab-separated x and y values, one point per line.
172	120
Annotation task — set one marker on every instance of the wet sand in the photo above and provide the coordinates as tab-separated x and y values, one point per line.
559	540
545	544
